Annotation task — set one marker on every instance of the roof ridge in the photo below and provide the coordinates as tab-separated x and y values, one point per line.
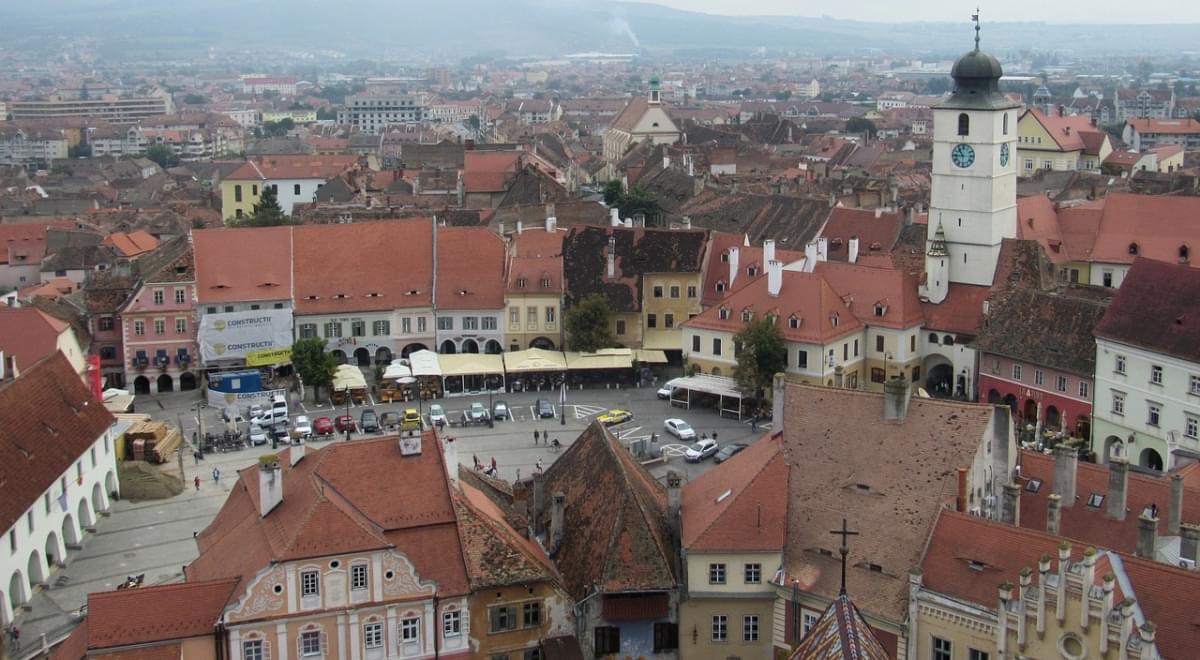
748	484
630	492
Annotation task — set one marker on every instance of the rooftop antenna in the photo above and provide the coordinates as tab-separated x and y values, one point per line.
844	532
975	19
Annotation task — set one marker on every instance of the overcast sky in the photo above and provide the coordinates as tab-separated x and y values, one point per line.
1060	11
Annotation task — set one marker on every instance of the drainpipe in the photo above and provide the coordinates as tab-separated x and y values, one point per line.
437	646
578	609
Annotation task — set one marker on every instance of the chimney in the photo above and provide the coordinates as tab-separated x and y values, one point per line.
686	222
1189	541
295	451
270	483
1175	506
450	455
520	227
1118	487
908	216
628	223
1147	632
500	228
774	278
1066	464
558	510
614	216
810	256
1147	531
878	212
539	502
666	161
551	224
1053	513
734	255
960	504
612	257
1012	504
778	394
768	250
852	256
895	400
674	495
822	249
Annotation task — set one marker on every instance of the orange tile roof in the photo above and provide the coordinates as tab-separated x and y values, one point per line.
1158	224
1037	220
131	244
470	267
48	420
28	238
961	311
1065	131
1155	309
863	287
875	234
735	505
27	334
372	265
155	614
302	166
535	254
1172	126
749	257
167	651
243	264
496	554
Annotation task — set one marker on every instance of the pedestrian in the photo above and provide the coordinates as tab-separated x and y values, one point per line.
538	466
196	456
754	423
493	464
14	634
535	437
197	482
217	476
476	459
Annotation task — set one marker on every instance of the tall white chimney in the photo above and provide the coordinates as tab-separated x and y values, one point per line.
628	223
734	255
614	216
551	224
666	161
270	483
612	257
686	222
450	455
822	249
296	451
768	251
520	226
774	277
852	256
810	256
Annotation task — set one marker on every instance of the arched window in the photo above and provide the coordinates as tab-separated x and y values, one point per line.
964	124
1133	248
1006	123
1183	253
948	340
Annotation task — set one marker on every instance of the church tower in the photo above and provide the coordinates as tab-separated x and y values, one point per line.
973	196
655	91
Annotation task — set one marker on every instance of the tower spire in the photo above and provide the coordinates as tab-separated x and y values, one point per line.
975	19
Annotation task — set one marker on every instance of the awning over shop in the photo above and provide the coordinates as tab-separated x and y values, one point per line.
466	364
650	356
424	363
729	397
663	341
396	370
534	359
348	376
605	358
635	607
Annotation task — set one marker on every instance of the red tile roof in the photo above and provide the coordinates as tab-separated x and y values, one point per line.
27	238
304	166
863	287
1156	308
1067	131
74	647
841	633
1037	220
535	254
166	651
1158	225
1171	126
28	334
876	235
48	420
243	264
496	554
631	114
489	171
470	267
131	244
749	258
735	505
961	311
372	266
155	614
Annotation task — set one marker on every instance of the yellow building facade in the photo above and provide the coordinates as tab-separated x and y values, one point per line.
533	320
732	617
512	621
238	197
668	299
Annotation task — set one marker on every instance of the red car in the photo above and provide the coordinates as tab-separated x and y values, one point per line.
323	426
345	423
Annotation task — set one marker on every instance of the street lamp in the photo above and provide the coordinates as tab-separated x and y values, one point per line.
199	423
491	411
349	419
562	400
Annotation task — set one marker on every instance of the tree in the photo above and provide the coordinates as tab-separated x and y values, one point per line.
79	151
587	324
326	114
613	191
761	354
473	124
783	95
638	201
313	364
860	125
267	212
194	99
163	155
278	128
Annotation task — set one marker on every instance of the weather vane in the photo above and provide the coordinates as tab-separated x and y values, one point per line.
975	19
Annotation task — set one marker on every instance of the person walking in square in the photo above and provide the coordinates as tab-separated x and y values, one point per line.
217	476
535	437
197	482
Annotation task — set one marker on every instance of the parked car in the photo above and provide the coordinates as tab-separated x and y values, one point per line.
701	450
302	426
500	411
344	423
369	421
412	420
615	416
437	415
476	414
664	392
255	410
389	420
323	426
543	409
728	451
258	435
680	429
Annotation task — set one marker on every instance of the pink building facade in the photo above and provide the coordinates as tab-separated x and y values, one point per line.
1053	398
158	328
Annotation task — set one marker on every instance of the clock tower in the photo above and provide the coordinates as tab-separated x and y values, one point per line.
973	191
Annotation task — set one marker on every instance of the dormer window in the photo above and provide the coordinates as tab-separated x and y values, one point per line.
880	309
747	315
771	318
520	282
312	297
720	286
545	282
834	320
725	257
340	296
723	313
794	322
1133	248
752	271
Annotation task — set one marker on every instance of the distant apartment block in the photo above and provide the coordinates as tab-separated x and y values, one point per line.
114	109
19	146
374	113
281	85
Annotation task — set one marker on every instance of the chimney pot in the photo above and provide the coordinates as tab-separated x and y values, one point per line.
520	226
768	250
612	257
270	483
1053	513
895	399
1118	485
551	224
774	278
734	260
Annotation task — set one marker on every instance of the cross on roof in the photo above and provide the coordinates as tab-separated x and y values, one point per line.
975	19
844	532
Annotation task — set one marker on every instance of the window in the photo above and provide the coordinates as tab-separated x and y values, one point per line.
514	316
12	540
212	310
1047	165
180	326
358	577
716	346
1194	385
752	574
489	322
531	614
651	320
668	320
933	338
716	573
750	628
845	352
308	330
333	329
1095	500
502	619
666	637
912	343
658	291
620	327
445	323
855	348
160	326
964	124
1038	376
942	649
879	343
296	189
544	282
470	323
381	328
108	352
252	649
877	375
1061	384
1005	127
106	323
1153	413
1034	485
531	315
695	343
691	291
139	328
723	314
801	359
237	193
451	623
1118	403
358	329
1119	364
674	290
373	635
520	282
720	627
1156	375
607	640
807	621
310	642
1016	372
976	654
1083	390
254	190
310	583
1190	425
420	324
409	629
1029	163
532	654
180	296
1107	278
793	322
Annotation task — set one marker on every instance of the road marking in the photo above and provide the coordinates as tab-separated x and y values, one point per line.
674	450
582	412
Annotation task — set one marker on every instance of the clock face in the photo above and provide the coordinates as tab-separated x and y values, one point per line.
1004	155
962	155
